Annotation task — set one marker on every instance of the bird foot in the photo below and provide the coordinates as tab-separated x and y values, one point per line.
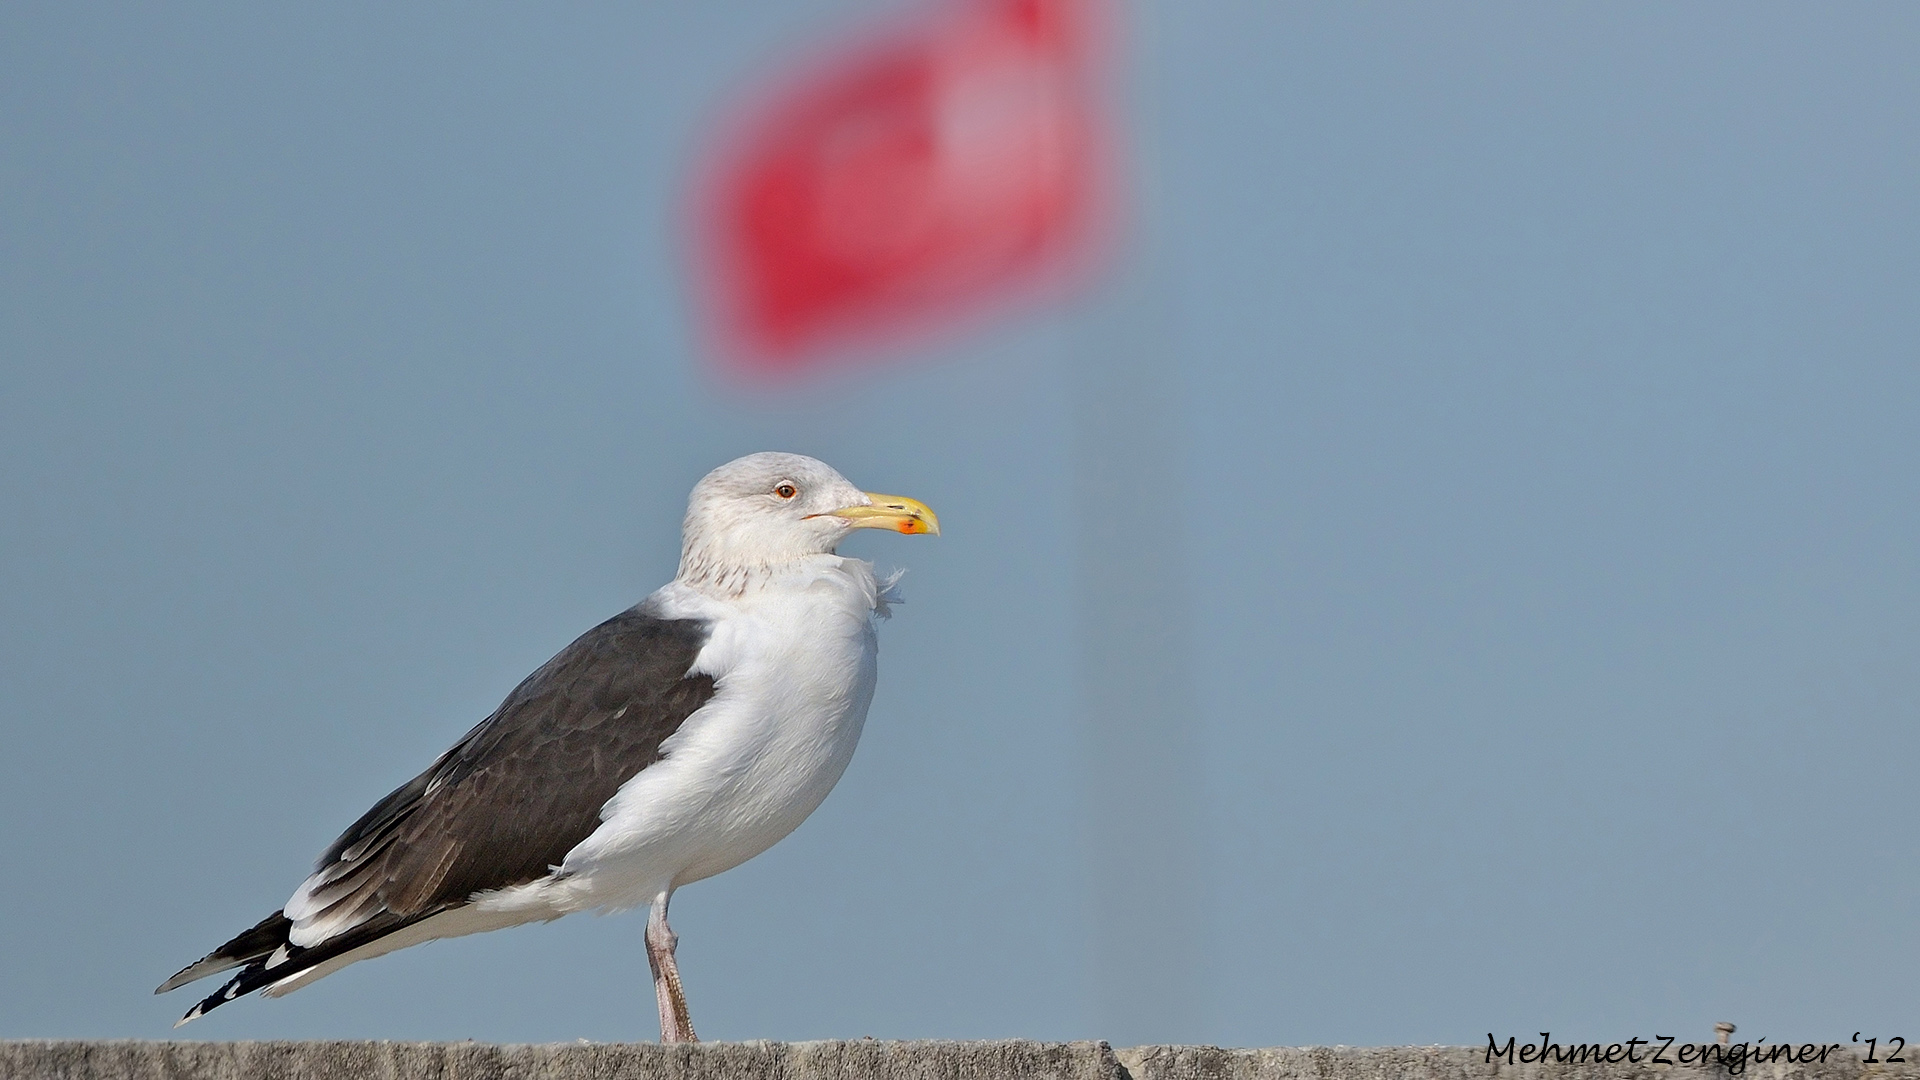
676	1022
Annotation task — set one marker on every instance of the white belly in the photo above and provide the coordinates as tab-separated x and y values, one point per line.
794	672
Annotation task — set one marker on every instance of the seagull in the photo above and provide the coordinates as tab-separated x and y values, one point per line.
674	741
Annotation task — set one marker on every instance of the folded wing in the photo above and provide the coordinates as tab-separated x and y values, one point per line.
501	808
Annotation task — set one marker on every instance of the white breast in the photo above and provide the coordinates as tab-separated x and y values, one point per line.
793	664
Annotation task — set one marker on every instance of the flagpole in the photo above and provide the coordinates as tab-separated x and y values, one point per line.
799	255
1139	715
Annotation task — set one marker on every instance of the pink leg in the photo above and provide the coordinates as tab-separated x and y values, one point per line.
676	1024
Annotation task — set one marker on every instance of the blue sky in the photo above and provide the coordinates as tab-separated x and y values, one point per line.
1545	381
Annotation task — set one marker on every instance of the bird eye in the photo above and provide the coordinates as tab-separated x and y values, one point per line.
786	491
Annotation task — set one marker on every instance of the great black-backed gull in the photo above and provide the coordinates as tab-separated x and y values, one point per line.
676	740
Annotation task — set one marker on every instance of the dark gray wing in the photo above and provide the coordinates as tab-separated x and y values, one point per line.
506	803
513	796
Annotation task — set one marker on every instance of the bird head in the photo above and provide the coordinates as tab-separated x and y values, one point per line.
767	509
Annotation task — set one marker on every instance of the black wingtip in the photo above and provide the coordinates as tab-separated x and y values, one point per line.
216	999
267	968
265	936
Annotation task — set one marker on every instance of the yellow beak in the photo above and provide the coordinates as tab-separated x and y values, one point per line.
896	512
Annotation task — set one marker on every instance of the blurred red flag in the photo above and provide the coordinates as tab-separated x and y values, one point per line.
904	184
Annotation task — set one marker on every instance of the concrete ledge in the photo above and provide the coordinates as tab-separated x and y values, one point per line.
33	1059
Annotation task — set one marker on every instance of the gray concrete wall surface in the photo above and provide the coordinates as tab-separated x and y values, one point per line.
46	1059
